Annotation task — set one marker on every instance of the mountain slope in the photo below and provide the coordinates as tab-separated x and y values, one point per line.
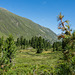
20	26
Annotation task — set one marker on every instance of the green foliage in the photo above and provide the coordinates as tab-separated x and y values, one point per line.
68	44
63	69
67	37
8	50
72	66
1	43
57	46
40	43
66	68
73	39
10	47
22	43
18	42
3	57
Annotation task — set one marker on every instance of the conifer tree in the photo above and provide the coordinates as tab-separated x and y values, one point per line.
57	46
21	42
18	42
66	35
7	54
2	52
40	45
24	43
10	47
67	67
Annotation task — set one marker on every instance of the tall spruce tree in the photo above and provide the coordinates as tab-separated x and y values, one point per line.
40	45
18	42
24	43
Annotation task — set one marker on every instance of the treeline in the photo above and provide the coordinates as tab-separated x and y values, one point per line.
22	43
38	43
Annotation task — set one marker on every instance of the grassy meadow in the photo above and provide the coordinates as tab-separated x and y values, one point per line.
28	62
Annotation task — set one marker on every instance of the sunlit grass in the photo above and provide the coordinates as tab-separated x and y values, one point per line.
28	60
31	57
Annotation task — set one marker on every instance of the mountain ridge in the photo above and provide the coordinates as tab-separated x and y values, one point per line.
11	23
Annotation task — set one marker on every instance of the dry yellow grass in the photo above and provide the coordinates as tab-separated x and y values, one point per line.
47	51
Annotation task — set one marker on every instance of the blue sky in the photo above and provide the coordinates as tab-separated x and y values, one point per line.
43	12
